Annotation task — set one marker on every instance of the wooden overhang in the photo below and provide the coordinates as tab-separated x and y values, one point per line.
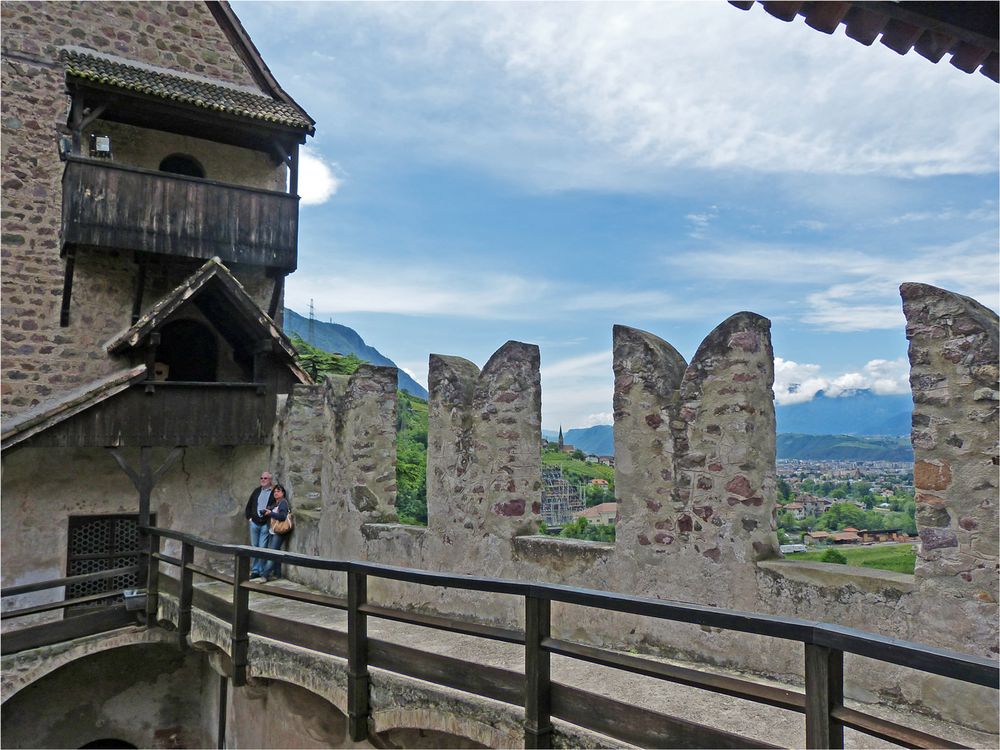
131	409
223	301
968	31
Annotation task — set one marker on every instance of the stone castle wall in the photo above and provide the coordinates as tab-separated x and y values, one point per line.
695	455
40	358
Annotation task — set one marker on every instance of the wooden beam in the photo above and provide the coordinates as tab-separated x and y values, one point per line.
220	740
67	287
279	285
293	170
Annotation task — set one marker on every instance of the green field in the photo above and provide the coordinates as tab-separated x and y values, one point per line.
897	557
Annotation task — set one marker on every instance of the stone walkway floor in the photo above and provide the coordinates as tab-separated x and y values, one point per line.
746	718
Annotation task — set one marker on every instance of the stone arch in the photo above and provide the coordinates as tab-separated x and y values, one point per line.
442	724
145	694
23	669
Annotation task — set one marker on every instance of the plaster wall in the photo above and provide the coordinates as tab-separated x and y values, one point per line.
141	147
203	493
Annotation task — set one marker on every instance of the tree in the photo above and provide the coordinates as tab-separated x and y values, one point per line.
834	556
784	491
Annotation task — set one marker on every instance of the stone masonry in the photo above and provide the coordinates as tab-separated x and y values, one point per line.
694	452
40	358
953	375
484	446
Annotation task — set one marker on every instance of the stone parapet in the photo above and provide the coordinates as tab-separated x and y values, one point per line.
484	445
953	375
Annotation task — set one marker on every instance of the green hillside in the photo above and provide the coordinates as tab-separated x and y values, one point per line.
844	447
411	431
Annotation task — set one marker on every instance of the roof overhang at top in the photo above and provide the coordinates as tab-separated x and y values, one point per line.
148	96
966	30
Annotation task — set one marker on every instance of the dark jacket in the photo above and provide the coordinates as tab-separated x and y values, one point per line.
250	512
279	510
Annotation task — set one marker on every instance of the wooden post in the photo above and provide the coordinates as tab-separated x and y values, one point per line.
239	638
223	708
357	657
186	594
824	692
293	171
152	344
67	287
537	676
261	350
152	582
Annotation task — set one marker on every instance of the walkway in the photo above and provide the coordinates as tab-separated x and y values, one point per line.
765	723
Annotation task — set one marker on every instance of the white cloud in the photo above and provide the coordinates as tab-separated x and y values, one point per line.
852	290
625	95
416	370
796	383
577	366
317	180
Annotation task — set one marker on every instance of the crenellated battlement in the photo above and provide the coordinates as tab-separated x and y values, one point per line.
695	483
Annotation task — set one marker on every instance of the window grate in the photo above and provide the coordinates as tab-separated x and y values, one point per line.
99	543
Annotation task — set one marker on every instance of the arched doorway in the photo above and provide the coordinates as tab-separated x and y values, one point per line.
189	350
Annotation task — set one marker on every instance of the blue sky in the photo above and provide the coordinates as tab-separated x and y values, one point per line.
540	172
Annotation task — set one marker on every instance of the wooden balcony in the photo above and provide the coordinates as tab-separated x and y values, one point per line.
169	414
108	205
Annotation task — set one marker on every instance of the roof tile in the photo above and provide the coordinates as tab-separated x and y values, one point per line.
179	88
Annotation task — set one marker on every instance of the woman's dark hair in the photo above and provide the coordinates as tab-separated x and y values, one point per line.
282	488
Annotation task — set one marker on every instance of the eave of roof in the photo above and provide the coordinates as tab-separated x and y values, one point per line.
966	30
73	402
119	74
248	52
132	336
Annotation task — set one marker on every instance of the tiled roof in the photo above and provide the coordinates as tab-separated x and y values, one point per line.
176	87
965	30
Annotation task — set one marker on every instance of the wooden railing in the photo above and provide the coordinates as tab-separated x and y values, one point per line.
115	206
823	645
113	615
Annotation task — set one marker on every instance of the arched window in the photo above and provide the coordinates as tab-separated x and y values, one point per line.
182	164
109	742
189	350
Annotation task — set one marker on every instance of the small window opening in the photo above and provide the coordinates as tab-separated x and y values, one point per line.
189	351
182	164
109	742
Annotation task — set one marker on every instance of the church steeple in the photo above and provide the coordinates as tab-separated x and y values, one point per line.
560	438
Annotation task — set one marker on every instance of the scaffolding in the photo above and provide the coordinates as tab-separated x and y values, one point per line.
560	499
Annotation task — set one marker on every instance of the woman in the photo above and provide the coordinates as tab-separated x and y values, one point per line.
277	510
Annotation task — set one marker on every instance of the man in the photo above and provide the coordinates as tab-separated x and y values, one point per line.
260	529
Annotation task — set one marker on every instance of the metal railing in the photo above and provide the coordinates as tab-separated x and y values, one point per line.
824	646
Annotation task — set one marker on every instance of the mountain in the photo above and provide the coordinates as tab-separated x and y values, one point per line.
861	413
339	339
837	424
844	447
599	439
